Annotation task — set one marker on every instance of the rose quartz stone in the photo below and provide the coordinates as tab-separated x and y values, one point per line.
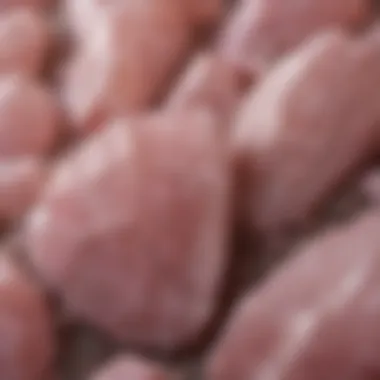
317	318
21	180
131	368
28	117
308	124
260	31
26	337
24	39
125	60
131	229
208	82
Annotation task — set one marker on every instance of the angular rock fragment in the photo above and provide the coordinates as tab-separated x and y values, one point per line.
131	230
28	117
21	180
26	336
124	60
307	126
131	368
260	31
317	318
24	39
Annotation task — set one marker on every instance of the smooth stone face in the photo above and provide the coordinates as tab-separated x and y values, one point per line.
308	125
130	367
261	31
131	231
24	39
21	180
26	341
317	318
125	61
28	117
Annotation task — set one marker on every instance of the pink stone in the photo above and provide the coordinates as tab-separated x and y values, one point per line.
26	336
28	117
205	11
21	181
125	61
208	82
261	31
24	39
38	4
317	318
131	229
307	126
131	368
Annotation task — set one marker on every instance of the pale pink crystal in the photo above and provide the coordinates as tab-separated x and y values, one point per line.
28	117
26	336
24	37
260	31
308	124
318	318
131	230
128	54
129	367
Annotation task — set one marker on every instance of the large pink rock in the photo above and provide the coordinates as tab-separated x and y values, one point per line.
21	181
260	31
308	125
24	39
26	336
317	318
28	117
131	230
128	367
124	60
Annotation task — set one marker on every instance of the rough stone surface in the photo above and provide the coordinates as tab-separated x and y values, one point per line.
260	31
131	368
132	228
24	39
306	127
317	318
28	117
125	60
21	180
26	337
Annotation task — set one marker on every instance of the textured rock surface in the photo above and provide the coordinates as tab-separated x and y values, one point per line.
26	337
24	39
260	31
127	57
307	126
21	181
132	228
28	117
131	368
315	319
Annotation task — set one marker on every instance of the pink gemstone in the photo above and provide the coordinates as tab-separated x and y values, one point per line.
26	341
21	180
28	117
308	124
125	61
317	318
133	368
131	230
260	31
23	41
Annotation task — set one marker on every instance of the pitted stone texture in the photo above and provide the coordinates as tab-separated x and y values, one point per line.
317	318
28	117
131	230
125	60
24	39
26	336
260	31
308	125
131	368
